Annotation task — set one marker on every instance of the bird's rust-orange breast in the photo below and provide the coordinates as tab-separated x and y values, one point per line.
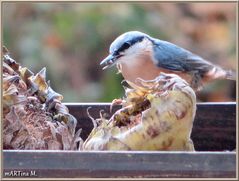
144	68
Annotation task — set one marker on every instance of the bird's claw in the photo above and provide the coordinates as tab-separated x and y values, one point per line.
116	102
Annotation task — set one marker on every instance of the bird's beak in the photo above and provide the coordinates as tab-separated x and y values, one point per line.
108	62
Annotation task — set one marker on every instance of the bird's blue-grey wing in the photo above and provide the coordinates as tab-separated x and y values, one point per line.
175	58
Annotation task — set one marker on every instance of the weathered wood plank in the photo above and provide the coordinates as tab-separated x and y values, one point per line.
70	164
214	125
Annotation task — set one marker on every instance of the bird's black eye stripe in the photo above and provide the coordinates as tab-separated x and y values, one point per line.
136	40
124	46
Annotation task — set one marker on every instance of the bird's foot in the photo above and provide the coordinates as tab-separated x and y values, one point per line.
116	102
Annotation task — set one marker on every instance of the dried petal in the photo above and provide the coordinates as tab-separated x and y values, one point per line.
38	82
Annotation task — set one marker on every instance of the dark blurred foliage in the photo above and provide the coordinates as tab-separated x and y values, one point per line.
70	40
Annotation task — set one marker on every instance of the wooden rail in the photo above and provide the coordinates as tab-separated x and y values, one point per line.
213	134
214	125
71	164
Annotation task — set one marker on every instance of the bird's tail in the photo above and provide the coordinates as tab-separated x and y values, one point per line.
219	73
230	74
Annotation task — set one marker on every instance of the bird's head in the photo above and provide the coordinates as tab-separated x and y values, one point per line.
126	47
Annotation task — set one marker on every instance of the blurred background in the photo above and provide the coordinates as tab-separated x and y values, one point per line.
70	40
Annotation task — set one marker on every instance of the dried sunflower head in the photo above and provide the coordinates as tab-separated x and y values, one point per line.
158	115
34	117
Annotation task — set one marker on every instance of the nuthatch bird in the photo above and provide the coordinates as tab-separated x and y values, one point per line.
137	55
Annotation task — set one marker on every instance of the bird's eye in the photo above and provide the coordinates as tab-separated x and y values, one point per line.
125	46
